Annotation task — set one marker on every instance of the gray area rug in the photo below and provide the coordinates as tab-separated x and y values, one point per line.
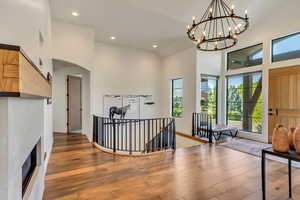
254	148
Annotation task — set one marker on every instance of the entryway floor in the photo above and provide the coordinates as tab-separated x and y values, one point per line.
78	171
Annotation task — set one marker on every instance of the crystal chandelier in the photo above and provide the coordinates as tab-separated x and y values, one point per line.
218	28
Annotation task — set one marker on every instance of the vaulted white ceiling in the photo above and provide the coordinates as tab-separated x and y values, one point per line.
143	23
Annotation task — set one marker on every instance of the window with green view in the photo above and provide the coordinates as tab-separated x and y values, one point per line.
247	57
177	97
244	101
209	95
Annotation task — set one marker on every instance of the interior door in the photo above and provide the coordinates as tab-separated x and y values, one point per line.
284	98
74	104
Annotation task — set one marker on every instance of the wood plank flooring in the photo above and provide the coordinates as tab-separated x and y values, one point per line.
77	171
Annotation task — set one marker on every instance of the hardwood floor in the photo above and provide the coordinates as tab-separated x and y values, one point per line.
78	171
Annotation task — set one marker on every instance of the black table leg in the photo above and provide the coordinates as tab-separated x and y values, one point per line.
290	179
210	136
263	175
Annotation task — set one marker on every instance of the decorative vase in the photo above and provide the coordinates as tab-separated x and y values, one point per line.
297	139
280	141
291	138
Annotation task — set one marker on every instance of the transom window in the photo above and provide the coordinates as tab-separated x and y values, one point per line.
209	95
247	57
177	98
286	48
244	101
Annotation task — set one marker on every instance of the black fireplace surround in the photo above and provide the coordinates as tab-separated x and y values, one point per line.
28	168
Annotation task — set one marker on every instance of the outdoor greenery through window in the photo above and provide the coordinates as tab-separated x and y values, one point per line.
177	97
209	95
286	48
244	101
247	57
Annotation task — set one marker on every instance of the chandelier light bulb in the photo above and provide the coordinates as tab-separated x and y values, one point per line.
246	14
194	20
188	27
232	8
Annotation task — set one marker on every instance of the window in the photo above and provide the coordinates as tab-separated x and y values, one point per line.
286	48
177	96
244	101
209	95
247	57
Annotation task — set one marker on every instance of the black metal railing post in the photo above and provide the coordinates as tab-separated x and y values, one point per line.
114	135
193	125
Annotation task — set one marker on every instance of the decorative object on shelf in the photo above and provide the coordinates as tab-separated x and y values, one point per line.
280	141
218	28
297	139
291	138
49	79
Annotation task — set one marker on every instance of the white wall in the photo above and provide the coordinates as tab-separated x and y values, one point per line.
60	99
277	24
181	65
125	71
73	43
209	63
22	128
21	22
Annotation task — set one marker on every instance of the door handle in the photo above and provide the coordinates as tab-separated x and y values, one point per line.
271	111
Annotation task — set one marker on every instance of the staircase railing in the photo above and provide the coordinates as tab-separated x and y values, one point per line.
202	126
134	136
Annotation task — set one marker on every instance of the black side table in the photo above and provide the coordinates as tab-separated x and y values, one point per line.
290	156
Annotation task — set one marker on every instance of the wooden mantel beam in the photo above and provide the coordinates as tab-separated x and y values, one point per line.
19	76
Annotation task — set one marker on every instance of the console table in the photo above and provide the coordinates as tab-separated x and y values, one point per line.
290	156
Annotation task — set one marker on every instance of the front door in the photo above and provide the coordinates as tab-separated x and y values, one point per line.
284	98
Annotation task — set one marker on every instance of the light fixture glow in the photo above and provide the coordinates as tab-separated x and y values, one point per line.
112	37
75	14
155	46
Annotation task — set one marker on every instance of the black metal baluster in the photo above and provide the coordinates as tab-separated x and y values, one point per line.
130	137
140	135
134	135
126	125
114	135
144	136
148	142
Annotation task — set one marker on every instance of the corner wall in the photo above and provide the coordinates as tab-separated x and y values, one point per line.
22	22
73	43
125	71
181	65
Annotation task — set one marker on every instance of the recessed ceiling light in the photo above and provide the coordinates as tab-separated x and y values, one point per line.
76	14
155	46
112	37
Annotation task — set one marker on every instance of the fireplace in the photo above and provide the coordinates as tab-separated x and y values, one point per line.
28	169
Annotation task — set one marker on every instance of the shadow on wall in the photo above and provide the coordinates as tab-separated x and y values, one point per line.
62	70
